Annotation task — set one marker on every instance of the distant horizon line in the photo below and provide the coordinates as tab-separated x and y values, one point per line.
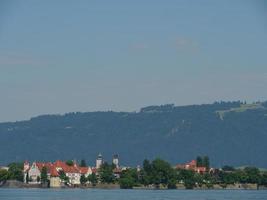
134	111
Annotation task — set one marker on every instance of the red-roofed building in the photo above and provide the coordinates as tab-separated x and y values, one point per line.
33	173
201	170
86	171
53	172
94	170
73	172
117	172
192	165
54	177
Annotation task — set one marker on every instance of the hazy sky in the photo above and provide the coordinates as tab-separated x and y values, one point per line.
64	56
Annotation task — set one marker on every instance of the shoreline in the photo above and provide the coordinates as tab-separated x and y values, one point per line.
19	185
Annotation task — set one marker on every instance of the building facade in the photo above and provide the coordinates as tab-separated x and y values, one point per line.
192	165
32	173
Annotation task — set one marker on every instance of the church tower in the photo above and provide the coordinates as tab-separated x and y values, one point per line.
115	160
99	161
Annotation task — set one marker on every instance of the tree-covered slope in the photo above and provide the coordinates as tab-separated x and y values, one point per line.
229	132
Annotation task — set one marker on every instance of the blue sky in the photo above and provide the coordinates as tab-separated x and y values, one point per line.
65	56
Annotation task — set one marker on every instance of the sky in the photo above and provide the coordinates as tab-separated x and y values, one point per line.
95	55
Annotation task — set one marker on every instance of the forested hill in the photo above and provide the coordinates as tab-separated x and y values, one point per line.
230	133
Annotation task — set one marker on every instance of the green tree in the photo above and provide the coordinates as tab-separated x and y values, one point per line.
209	180
3	175
203	161
92	178
187	177
199	161
126	182
229	177
199	179
63	176
253	174
129	178
106	173
146	173
44	177
69	162
15	171
171	184
83	179
83	163
162	173
241	176
145	178
130	173
263	179
189	183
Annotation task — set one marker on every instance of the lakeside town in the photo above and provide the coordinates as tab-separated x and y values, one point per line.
157	174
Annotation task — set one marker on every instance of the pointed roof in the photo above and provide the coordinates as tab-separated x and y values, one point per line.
99	156
66	168
54	172
192	163
84	170
41	165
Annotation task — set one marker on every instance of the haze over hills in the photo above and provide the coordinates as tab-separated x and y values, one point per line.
232	133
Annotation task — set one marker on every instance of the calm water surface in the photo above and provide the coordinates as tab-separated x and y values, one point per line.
96	194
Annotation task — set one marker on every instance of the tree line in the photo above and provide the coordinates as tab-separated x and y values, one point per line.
156	173
159	173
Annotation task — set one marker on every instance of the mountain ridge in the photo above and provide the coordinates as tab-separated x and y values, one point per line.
174	133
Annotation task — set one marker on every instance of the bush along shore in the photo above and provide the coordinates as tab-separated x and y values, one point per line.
156	174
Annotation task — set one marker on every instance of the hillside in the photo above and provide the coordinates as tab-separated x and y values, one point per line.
229	132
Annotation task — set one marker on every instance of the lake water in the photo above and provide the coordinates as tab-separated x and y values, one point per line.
99	194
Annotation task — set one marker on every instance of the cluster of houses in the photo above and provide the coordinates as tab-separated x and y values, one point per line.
32	172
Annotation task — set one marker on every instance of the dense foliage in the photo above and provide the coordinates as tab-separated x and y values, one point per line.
3	175
63	177
129	178
92	178
83	179
83	163
203	161
70	162
44	176
106	173
159	173
15	171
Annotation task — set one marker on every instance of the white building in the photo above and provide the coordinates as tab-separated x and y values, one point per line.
34	174
99	161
